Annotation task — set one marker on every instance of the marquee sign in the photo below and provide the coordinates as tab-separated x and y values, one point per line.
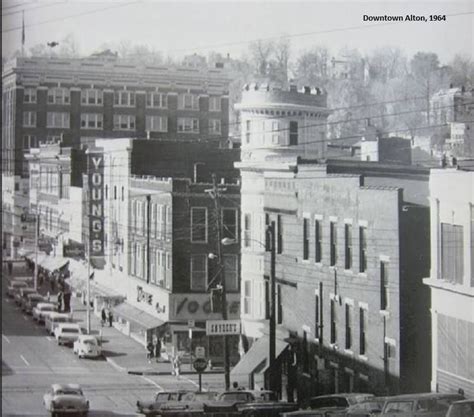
95	180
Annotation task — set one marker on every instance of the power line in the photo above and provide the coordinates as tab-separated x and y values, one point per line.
17	5
34	8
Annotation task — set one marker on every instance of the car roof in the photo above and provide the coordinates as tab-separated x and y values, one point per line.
57	387
87	337
27	289
423	396
471	401
345	395
35	295
39	305
248	391
56	314
68	325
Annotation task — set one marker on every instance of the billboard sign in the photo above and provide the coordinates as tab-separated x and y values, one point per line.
222	327
95	181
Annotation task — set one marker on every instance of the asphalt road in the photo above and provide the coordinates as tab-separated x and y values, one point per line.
32	361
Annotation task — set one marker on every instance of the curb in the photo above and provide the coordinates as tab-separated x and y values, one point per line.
154	373
115	365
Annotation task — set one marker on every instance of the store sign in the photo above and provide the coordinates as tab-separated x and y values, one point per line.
95	173
198	307
143	296
222	327
74	250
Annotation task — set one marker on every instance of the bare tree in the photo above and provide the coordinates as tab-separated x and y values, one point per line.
69	47
462	71
261	52
282	58
312	66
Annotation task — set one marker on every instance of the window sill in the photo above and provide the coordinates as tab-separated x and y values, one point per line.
363	358
124	106
362	274
334	346
349	271
349	352
305	261
91	105
156	108
92	128
157	131
196	242
187	132
385	313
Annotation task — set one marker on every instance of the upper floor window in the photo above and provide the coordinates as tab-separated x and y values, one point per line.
58	96
30	141
188	125
198	224
229	223
452	253
214	126
305	239
293	133
156	123
124	98
92	121
248	131
92	97
124	122
57	119
384	282
247	230
29	119
29	95
362	331
198	272
348	246
247	297
231	272
333	243
318	238
188	101
215	103
156	100
362	249
279	242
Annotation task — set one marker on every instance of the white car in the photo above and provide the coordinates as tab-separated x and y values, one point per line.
14	286
67	333
66	399
51	321
41	309
87	346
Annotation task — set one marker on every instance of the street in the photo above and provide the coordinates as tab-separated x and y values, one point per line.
32	361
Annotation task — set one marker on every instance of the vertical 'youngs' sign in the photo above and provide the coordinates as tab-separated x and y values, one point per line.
95	174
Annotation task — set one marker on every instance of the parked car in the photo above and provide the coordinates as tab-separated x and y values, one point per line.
21	295
66	399
333	405
52	320
31	301
87	346
15	286
371	407
153	407
464	408
67	333
40	310
190	403
426	405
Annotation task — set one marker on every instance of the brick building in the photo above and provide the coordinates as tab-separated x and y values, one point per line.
451	280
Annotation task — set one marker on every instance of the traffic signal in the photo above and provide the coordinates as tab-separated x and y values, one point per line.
216	300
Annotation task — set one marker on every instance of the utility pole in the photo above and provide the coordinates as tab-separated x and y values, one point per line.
35	278
272	318
148	223
88	288
215	196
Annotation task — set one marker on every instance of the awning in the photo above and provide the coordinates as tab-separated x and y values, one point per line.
32	257
54	263
137	316
256	359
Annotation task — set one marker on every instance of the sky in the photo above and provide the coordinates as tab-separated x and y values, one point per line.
185	27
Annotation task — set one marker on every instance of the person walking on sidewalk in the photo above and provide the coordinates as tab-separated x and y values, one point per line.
177	365
157	347
149	351
110	317
103	317
60	301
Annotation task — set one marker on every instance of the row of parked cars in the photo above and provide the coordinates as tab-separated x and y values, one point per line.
248	403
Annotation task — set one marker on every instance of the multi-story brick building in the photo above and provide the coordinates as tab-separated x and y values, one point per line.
352	245
101	96
451	280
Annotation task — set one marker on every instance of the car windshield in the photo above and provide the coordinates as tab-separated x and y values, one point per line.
47	308
235	396
60	319
162	397
366	406
70	330
328	402
69	392
399	407
462	410
89	342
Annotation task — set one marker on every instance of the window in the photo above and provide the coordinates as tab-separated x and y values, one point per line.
248	127
92	121
247	297
452	257
279	304
362	331
214	103
188	102
53	139
157	123
247	230
138	259
333	243
30	141
198	224
29	119
317	316
318	235
348	344
198	272
229	223
124	122
384	295
188	125
156	100
348	246
293	133
389	349
279	234
362	249
333	321
305	239
57	119
124	99
214	126
58	96
231	272
305	352
29	95
91	97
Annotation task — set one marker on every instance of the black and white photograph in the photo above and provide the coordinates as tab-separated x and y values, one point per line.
237	208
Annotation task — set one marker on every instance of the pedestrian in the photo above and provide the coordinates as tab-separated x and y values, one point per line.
110	317
60	301
10	268
149	351
48	296
235	386
40	279
103	317
177	365
158	349
52	284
